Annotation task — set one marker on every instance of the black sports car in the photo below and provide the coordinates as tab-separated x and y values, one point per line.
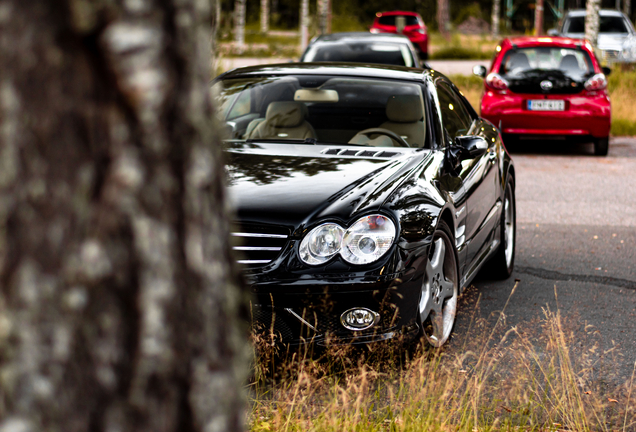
367	198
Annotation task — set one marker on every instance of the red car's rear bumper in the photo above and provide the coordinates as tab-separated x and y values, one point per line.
584	114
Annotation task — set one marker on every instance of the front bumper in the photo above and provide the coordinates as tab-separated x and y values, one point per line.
297	313
584	115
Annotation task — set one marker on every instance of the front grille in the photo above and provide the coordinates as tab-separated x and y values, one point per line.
610	55
257	246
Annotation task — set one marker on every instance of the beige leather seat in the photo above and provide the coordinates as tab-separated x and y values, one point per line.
284	120
405	114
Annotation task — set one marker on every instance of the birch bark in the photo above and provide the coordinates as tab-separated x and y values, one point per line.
119	303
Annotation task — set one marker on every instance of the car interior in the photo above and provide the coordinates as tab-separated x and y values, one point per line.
338	110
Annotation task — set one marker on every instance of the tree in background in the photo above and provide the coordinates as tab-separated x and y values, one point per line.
264	16
592	21
494	21
119	302
443	18
304	24
239	24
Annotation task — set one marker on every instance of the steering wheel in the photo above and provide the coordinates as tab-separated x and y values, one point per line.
380	131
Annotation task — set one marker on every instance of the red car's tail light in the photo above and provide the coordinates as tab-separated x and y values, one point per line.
496	82
375	30
421	30
597	82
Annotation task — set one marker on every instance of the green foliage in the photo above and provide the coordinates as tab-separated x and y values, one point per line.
623	127
471	10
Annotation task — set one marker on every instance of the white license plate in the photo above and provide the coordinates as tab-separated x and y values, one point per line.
546	105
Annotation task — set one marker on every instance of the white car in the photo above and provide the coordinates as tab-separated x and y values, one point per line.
616	39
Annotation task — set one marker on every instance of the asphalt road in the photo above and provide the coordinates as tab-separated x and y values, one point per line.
576	247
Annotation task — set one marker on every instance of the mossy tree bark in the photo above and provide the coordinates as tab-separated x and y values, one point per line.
119	303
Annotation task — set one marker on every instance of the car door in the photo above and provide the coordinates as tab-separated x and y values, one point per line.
478	175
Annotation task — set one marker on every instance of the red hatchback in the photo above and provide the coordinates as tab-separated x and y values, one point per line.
414	28
542	87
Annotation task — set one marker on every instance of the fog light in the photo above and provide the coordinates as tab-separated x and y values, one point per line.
359	318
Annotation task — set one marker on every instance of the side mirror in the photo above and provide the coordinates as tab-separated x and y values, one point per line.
465	147
553	32
606	70
480	71
474	146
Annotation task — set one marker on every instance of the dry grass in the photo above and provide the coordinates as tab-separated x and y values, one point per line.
542	378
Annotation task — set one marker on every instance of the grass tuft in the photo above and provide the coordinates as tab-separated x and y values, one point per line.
537	377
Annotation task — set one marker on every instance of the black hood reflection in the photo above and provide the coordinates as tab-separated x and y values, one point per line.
288	184
529	81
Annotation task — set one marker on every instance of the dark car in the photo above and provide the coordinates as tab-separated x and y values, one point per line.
545	87
410	24
367	199
358	47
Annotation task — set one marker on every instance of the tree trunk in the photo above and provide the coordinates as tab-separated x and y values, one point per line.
592	21
443	18
239	24
538	18
118	300
627	8
304	24
329	15
323	12
264	16
494	21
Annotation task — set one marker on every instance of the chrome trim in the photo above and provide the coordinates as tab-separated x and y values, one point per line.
258	235
492	213
253	261
301	319
348	327
256	248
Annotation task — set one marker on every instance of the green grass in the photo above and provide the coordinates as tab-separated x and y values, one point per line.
459	53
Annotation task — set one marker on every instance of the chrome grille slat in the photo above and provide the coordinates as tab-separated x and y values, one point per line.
256	245
256	248
258	235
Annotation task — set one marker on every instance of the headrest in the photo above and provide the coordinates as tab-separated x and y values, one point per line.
518	61
404	108
569	62
285	114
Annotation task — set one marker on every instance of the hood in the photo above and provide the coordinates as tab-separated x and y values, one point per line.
606	41
292	184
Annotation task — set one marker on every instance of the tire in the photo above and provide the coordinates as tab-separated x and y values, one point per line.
601	146
502	263
437	308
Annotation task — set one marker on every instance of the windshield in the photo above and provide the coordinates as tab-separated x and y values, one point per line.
360	52
323	109
572	62
608	24
390	20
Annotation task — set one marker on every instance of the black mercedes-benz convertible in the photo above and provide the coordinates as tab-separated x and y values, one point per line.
367	198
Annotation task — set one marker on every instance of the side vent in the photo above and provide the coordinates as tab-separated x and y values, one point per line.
360	152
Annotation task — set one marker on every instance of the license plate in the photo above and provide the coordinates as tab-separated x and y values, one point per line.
546	105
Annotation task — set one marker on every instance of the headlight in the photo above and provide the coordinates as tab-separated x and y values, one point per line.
628	52
368	239
322	243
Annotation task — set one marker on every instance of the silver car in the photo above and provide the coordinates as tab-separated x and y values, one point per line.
616	39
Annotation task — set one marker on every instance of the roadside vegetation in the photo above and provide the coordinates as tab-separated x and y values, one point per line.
491	377
621	85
